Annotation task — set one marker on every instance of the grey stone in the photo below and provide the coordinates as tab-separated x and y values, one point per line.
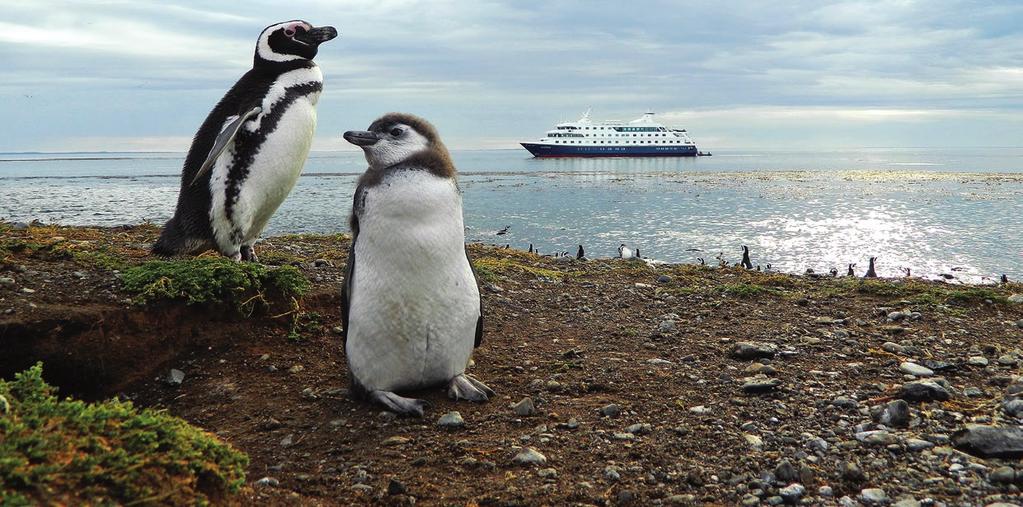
759	384
611	410
750	350
664	279
893	348
873	496
845	402
451	420
924	390
1016	299
990	441
1013	408
825	491
175	377
917	445
973	392
611	473
639	429
785	472
894	414
525	407
1008	360
547	473
268	482
530	456
979	361
666	326
792	493
915	369
907	502
1004	475
4	280
876	437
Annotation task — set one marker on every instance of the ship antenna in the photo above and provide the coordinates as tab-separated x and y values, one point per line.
586	115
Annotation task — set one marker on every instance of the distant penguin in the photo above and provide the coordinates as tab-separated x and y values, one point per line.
870	269
530	248
503	231
1005	279
909	273
833	272
638	255
411	307
851	271
580	254
702	262
746	263
625	252
248	153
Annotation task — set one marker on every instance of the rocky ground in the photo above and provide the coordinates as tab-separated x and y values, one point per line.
618	382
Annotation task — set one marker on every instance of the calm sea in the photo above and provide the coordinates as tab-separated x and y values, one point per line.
957	211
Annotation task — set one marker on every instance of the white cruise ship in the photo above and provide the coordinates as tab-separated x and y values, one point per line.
642	137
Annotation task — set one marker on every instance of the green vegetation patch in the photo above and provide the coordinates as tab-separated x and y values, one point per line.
488	269
212	280
67	452
745	290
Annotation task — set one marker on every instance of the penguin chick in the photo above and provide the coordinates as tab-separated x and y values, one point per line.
411	306
248	153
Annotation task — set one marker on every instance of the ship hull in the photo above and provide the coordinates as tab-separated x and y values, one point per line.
547	150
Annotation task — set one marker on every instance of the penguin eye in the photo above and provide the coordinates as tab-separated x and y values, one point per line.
290	32
396	131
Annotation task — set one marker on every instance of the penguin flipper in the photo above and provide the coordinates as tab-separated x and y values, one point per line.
479	322
346	288
226	136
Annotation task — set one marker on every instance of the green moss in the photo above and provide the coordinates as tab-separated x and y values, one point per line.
70	452
212	280
744	290
488	269
304	322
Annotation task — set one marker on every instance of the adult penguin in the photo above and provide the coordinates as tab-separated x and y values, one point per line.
249	152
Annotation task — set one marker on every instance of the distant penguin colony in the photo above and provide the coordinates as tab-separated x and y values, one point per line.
408	252
248	153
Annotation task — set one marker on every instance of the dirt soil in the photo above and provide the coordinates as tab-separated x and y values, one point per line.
638	396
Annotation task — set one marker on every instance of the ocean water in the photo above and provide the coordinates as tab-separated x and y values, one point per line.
956	211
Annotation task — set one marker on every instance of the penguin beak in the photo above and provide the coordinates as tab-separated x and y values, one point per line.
361	137
316	36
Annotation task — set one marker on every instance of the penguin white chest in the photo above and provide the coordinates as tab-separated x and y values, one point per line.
414	303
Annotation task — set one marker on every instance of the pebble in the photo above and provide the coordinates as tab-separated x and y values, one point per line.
611	410
973	392
268	482
547	473
451	420
759	384
6	280
915	369
979	361
760	368
639	429
894	414
529	456
611	473
924	390
1004	475
27	290
874	496
754	441
296	369
664	279
525	407
785	472
990	441
322	263
288	440
1016	299
893	348
876	437
175	377
845	402
700	410
396	440
917	445
1013	408
395	487
684	500
666	326
792	493
750	350
1008	360
659	362
825	491
907	502
624	436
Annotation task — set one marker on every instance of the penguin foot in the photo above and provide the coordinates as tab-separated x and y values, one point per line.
249	254
397	404
467	387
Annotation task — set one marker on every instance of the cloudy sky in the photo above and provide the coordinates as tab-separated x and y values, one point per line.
135	75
